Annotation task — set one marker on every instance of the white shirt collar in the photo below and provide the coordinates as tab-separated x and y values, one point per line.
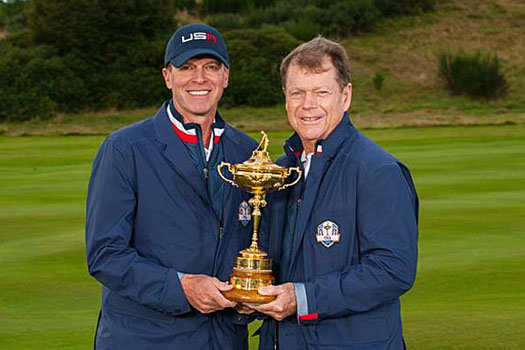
306	159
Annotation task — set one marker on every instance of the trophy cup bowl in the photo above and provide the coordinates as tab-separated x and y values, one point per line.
258	175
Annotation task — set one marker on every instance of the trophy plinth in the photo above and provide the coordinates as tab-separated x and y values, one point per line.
258	175
252	270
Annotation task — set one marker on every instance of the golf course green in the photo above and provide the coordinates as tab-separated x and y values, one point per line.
470	288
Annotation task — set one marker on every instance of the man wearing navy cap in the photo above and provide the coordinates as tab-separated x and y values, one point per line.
162	230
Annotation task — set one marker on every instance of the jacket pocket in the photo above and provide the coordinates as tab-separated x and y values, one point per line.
352	330
129	307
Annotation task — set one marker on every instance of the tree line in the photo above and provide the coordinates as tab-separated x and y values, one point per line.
76	55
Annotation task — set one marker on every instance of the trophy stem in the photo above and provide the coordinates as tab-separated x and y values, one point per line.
257	202
255	237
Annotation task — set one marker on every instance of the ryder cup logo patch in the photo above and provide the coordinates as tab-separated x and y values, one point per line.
245	213
328	233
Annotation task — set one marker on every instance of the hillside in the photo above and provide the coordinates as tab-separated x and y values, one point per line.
404	50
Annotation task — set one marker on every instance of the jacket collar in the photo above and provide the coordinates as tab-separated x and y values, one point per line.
176	152
187	132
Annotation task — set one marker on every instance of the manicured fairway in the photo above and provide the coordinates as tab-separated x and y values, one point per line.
470	290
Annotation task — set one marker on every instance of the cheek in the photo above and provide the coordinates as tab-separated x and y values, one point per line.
290	114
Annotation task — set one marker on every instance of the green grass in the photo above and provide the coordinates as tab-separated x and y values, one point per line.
469	291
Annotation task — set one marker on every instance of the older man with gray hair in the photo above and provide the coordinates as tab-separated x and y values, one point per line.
344	240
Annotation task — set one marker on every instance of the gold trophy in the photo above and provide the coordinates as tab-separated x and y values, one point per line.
258	175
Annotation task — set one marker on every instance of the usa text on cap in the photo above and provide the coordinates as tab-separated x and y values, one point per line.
194	40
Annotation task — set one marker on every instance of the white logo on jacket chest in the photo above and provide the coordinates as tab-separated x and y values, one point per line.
328	233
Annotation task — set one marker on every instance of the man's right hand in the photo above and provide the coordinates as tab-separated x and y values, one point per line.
204	293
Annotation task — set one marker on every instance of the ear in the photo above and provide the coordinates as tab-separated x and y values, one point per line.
166	74
226	77
347	96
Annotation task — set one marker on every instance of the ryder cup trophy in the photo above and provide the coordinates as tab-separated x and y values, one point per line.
258	175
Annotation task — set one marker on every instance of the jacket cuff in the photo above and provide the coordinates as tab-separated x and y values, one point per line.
311	317
300	299
174	296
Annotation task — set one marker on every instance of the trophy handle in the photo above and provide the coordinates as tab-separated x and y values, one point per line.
219	170
299	173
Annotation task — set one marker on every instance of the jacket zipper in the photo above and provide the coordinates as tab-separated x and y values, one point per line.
206	173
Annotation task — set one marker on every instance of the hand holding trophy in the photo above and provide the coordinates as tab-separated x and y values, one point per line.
258	175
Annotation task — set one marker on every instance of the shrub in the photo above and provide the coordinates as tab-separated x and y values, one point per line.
35	82
476	75
235	6
399	7
378	80
98	30
214	6
351	16
225	21
88	55
281	12
184	4
303	29
255	57
13	14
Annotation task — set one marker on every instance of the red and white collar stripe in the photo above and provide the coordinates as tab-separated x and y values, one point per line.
190	135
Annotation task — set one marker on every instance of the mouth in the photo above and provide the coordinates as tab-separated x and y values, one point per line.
310	119
199	92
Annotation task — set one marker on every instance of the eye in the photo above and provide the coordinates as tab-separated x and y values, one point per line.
185	67
322	93
212	67
296	93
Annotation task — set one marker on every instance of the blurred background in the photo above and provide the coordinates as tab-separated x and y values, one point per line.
438	83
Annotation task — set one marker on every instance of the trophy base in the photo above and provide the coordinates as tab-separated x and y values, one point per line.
252	270
247	296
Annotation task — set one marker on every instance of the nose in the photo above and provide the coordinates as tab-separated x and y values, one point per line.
199	75
310	100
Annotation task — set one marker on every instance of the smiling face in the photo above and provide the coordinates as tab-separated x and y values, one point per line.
315	102
197	87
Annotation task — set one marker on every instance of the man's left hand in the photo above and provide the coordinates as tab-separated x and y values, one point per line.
283	306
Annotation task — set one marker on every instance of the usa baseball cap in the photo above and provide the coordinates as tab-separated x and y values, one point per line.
193	40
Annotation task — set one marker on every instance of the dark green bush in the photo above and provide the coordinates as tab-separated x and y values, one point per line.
226	21
350	16
85	54
304	29
378	80
255	57
281	12
476	75
135	79
400	7
36	82
13	14
185	4
98	30
301	18
212	7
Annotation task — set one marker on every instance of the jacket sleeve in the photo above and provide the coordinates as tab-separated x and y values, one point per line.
387	207
111	258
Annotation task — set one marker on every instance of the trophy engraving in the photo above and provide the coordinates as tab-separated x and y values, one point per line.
258	175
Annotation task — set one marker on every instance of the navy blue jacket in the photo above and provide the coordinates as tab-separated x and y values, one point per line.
353	281
149	216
